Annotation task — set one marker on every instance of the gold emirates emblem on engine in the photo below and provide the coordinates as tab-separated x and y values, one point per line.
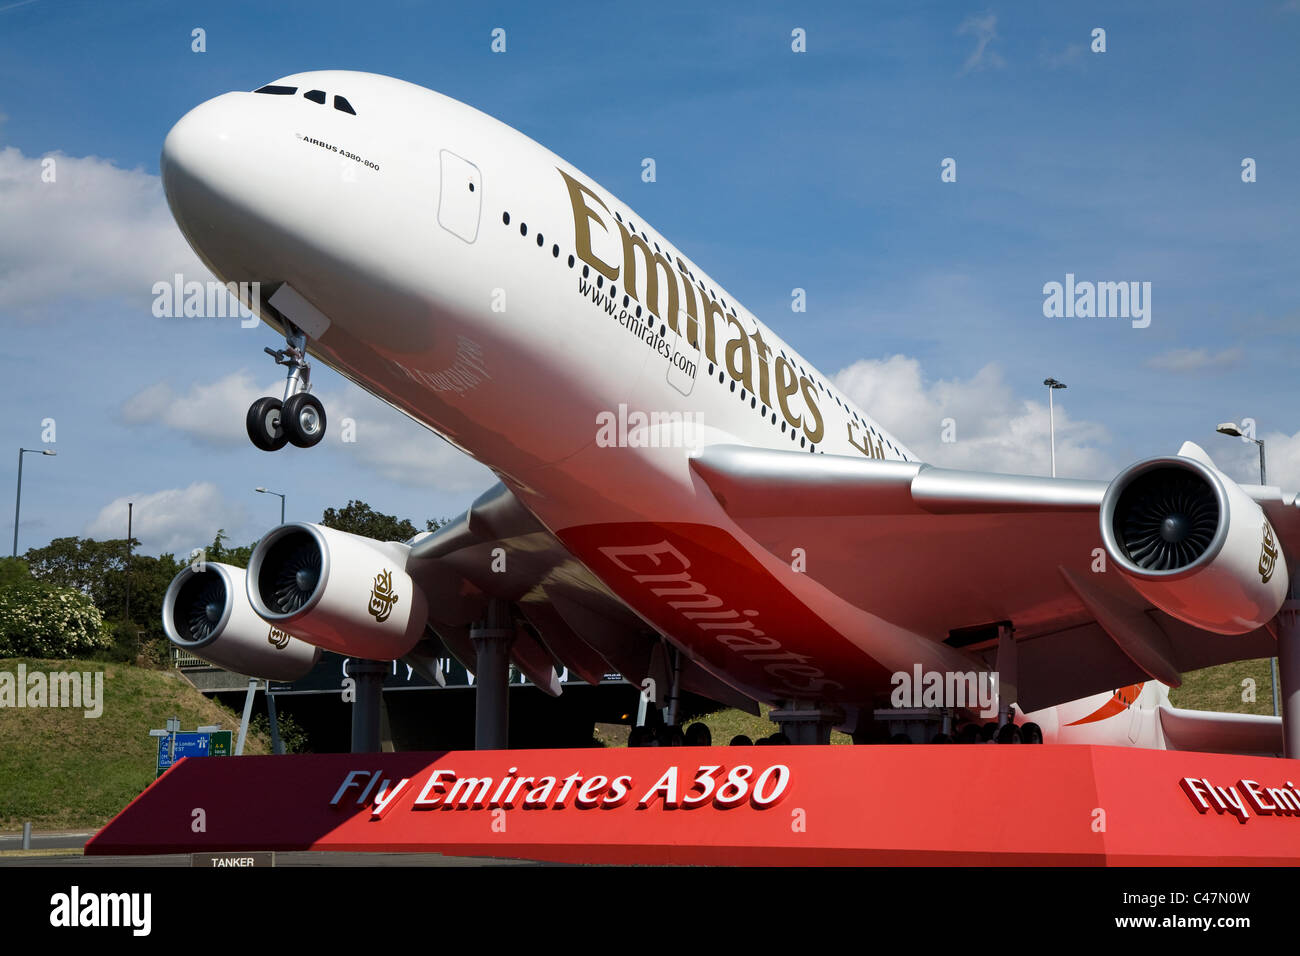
277	638
1267	554
382	597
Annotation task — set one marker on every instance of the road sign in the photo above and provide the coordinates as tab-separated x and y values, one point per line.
190	744
221	745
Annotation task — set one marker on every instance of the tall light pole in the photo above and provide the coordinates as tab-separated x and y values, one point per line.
130	511
1231	429
18	503
1052	385
277	494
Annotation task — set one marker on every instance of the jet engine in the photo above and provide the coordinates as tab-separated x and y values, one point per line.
205	612
1194	544
340	591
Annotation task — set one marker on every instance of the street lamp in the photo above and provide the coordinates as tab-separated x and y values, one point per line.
1230	428
19	502
1052	385
278	495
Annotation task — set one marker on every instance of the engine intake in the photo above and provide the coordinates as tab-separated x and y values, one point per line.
206	613
1194	544
341	591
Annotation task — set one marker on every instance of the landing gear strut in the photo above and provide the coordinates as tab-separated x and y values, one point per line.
298	418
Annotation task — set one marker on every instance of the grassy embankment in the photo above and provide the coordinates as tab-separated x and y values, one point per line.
63	771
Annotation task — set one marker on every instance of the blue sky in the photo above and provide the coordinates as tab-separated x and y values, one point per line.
775	170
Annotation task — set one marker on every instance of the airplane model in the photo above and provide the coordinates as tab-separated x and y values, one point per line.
683	498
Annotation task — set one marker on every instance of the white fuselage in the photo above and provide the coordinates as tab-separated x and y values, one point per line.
488	289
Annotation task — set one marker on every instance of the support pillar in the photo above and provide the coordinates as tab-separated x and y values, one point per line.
369	676
277	745
674	692
807	723
1288	665
492	638
248	714
1006	671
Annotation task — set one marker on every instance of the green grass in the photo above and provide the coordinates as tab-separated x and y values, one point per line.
725	724
64	771
1220	688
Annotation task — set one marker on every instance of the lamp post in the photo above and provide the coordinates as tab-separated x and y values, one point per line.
18	503
1231	429
278	495
1052	385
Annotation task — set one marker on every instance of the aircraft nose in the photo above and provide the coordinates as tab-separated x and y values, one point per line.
201	162
227	190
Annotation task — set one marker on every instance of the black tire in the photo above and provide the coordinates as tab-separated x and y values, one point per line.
265	424
304	419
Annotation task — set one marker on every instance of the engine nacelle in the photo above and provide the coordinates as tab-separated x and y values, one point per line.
338	590
1194	544
206	613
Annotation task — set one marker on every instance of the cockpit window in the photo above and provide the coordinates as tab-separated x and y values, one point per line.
341	104
316	96
278	90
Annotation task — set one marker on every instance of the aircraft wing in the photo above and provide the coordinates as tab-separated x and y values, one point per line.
497	549
949	554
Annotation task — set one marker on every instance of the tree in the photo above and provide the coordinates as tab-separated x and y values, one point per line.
13	571
81	563
357	517
236	557
100	571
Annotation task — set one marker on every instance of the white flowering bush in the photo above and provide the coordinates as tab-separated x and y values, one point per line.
43	620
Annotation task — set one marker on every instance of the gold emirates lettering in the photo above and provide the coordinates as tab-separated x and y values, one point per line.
1267	554
745	357
382	596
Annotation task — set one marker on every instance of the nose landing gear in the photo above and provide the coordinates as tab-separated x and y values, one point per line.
298	418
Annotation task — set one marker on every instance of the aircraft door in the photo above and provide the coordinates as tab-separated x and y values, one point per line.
461	200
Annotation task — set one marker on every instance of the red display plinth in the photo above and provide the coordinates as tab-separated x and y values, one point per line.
870	805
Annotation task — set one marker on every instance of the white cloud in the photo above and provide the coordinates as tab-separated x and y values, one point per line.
95	232
1282	454
211	412
401	449
1240	459
386	441
175	519
994	430
1196	360
984	29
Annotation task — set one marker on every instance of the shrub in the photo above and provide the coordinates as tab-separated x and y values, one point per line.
43	620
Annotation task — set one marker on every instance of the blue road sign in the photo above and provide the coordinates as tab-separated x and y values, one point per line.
190	744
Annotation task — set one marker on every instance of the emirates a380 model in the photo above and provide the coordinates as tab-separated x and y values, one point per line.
682	496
